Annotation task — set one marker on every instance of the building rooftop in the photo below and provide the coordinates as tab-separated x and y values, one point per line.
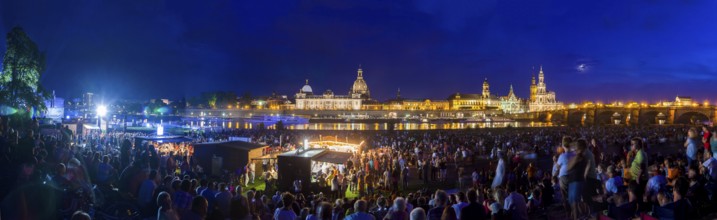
310	153
234	144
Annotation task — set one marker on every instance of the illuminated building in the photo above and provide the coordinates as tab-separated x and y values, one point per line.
88	100
414	104
360	89
483	101
358	96
683	101
511	104
306	99
272	102
544	100
679	102
533	89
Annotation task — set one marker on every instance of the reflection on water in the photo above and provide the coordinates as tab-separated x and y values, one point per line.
366	126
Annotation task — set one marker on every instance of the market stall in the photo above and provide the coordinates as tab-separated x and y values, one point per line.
309	166
230	156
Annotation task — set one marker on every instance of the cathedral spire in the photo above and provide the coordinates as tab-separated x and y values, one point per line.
398	93
360	72
532	80
541	76
533	86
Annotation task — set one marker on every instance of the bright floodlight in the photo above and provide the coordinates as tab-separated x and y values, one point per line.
101	110
160	130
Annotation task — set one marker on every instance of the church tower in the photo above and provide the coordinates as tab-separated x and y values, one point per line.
486	89
360	89
541	82
533	89
510	93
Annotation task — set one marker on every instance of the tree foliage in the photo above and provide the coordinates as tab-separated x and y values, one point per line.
219	99
23	65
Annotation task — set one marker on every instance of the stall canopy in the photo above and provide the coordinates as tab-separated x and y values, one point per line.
231	155
333	157
164	139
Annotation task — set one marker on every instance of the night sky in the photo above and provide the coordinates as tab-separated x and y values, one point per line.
590	50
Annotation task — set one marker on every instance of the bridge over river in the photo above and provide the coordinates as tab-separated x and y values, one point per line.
642	115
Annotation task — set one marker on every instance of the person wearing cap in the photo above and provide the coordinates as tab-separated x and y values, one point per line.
656	182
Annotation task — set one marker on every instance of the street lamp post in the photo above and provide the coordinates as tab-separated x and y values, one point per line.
101	112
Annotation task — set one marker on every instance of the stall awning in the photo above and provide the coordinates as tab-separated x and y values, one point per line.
333	157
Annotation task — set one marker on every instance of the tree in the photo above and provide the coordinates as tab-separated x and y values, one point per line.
280	125
23	65
245	99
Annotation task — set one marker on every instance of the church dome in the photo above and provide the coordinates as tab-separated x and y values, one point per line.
360	86
306	88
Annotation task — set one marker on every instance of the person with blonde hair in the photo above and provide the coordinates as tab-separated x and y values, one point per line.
398	211
360	211
449	214
418	214
496	208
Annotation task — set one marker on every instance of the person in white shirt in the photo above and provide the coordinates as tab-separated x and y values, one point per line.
461	197
654	184
515	204
498	198
562	163
286	212
252	170
613	184
499	173
710	165
601	174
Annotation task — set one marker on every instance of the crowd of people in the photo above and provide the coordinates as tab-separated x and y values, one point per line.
665	172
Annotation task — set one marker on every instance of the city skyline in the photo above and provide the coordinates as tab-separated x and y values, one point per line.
640	51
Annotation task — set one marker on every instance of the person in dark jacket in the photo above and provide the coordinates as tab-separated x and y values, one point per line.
474	210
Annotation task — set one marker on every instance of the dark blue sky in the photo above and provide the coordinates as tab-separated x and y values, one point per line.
631	50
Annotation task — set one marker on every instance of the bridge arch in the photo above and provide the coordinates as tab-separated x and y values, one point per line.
558	117
577	118
650	117
607	117
692	117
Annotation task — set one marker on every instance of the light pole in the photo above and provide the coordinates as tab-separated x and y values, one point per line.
101	112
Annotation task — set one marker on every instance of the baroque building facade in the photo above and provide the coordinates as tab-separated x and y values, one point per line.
359	98
483	101
360	89
511	104
541	98
358	94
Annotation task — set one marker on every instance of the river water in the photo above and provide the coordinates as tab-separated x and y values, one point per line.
364	126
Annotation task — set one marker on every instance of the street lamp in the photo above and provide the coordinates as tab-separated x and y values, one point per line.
101	112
